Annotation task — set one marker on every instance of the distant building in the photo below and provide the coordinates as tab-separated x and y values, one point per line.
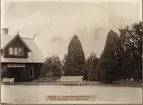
20	57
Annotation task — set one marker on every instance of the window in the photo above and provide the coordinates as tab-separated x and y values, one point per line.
15	51
31	71
10	51
18	51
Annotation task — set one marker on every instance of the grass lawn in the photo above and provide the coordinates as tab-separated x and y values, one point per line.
104	94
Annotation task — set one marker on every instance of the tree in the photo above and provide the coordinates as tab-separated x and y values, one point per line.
137	36
63	63
52	67
74	65
91	63
109	63
131	43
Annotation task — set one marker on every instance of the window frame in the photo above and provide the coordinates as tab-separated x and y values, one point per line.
19	51
14	51
10	50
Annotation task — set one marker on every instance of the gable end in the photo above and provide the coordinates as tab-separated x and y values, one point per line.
17	36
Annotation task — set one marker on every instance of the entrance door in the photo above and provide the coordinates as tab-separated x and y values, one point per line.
16	73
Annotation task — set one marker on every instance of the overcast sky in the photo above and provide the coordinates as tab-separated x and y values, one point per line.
56	22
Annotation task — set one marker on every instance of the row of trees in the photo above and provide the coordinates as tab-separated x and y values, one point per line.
120	59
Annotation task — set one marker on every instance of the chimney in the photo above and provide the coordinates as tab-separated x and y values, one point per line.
5	31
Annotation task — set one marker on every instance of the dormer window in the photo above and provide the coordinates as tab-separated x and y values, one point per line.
20	52
16	51
10	51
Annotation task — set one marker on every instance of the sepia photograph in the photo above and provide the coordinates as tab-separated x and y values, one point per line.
71	52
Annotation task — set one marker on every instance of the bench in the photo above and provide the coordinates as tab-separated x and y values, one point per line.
72	79
8	80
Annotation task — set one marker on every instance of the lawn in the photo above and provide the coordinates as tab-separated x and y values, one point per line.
33	94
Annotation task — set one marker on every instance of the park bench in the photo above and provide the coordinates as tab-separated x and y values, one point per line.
71	80
8	80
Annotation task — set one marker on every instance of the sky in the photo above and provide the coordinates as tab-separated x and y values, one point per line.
56	22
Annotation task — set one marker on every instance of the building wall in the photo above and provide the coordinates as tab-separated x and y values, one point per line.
38	68
24	72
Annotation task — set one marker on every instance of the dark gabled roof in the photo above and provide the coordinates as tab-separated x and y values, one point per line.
34	56
6	40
